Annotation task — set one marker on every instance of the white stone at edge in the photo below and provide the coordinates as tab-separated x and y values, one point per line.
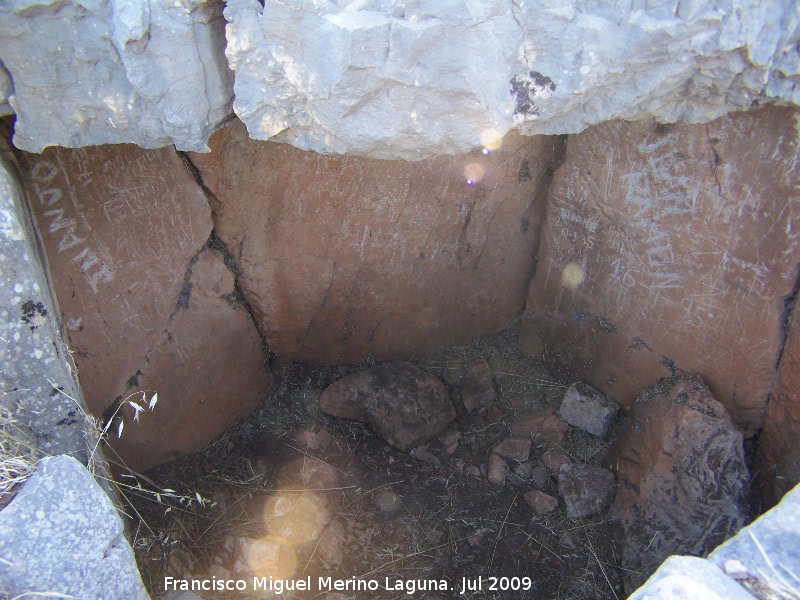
383	78
419	78
90	72
689	578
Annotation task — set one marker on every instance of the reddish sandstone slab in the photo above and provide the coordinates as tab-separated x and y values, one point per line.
344	258
671	248
777	468
122	228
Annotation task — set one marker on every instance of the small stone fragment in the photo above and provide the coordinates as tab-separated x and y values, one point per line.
473	471
451	440
332	543
494	414
535	474
540	503
318	475
514	448
586	408
477	387
586	490
553	460
386	501
422	453
313	437
402	404
543	427
566	539
263	557
497	469
296	517
524	469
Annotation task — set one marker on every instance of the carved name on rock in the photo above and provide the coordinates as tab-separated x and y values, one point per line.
145	305
671	248
344	259
401	403
682	476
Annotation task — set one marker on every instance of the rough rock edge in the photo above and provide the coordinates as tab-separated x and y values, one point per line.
48	398
749	562
504	69
71	559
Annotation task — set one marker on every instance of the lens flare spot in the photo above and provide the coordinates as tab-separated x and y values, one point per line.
296	517
491	140
473	172
572	275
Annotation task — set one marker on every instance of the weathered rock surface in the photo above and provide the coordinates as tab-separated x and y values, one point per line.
496	469
763	556
332	546
34	363
670	248
535	474
146	305
296	518
682	478
540	503
690	577
62	536
544	428
777	464
402	404
514	448
553	460
451	440
6	89
115	71
414	79
384	78
587	490
421	453
477	387
313	437
263	557
338	253
586	408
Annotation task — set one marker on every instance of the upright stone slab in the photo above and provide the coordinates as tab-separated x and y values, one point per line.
62	537
37	385
681	477
777	464
671	248
344	259
146	305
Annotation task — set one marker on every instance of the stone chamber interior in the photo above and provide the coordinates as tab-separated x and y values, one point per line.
325	366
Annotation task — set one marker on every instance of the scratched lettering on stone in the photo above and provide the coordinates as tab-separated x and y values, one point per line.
63	226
